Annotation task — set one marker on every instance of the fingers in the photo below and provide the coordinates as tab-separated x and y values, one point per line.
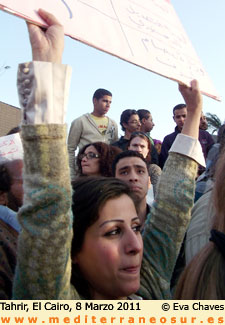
47	44
195	85
182	87
191	95
48	17
32	28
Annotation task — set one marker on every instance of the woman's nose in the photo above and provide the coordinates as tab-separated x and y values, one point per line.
133	243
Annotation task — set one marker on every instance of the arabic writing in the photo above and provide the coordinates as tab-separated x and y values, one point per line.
150	33
163	41
7	142
11	147
8	147
147	33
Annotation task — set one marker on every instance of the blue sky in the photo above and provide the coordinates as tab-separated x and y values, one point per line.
132	86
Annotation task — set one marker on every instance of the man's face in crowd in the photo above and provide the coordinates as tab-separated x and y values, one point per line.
203	122
140	145
148	123
102	105
179	117
134	172
133	124
15	195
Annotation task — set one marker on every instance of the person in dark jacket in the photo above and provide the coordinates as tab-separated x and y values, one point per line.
129	121
179	116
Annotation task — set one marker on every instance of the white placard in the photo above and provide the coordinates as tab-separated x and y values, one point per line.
10	147
146	33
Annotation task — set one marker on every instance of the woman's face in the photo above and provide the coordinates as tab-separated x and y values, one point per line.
140	145
90	166
111	254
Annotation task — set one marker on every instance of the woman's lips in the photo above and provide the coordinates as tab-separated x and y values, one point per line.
84	165
131	269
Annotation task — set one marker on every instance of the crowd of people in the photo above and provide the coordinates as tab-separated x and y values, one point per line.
75	222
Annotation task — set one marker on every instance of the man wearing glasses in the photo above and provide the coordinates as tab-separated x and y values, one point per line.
129	121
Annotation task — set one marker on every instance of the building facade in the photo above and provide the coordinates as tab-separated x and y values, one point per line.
10	117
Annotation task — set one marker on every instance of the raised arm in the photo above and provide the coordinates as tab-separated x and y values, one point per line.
44	267
166	226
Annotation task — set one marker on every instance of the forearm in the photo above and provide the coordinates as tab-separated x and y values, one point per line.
193	99
164	230
46	215
191	125
43	265
170	214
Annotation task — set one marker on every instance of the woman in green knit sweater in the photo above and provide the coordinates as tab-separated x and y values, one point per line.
106	257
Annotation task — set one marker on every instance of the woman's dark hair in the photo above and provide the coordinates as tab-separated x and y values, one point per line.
146	138
89	196
107	154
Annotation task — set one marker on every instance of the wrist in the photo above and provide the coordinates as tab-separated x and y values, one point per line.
47	57
193	114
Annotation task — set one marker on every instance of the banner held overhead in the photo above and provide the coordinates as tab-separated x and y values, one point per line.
147	33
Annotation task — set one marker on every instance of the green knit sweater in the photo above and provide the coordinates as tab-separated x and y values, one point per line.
44	264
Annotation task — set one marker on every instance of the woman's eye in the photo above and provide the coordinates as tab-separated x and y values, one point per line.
113	232
137	228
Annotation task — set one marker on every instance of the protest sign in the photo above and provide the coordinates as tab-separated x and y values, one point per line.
147	33
10	147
